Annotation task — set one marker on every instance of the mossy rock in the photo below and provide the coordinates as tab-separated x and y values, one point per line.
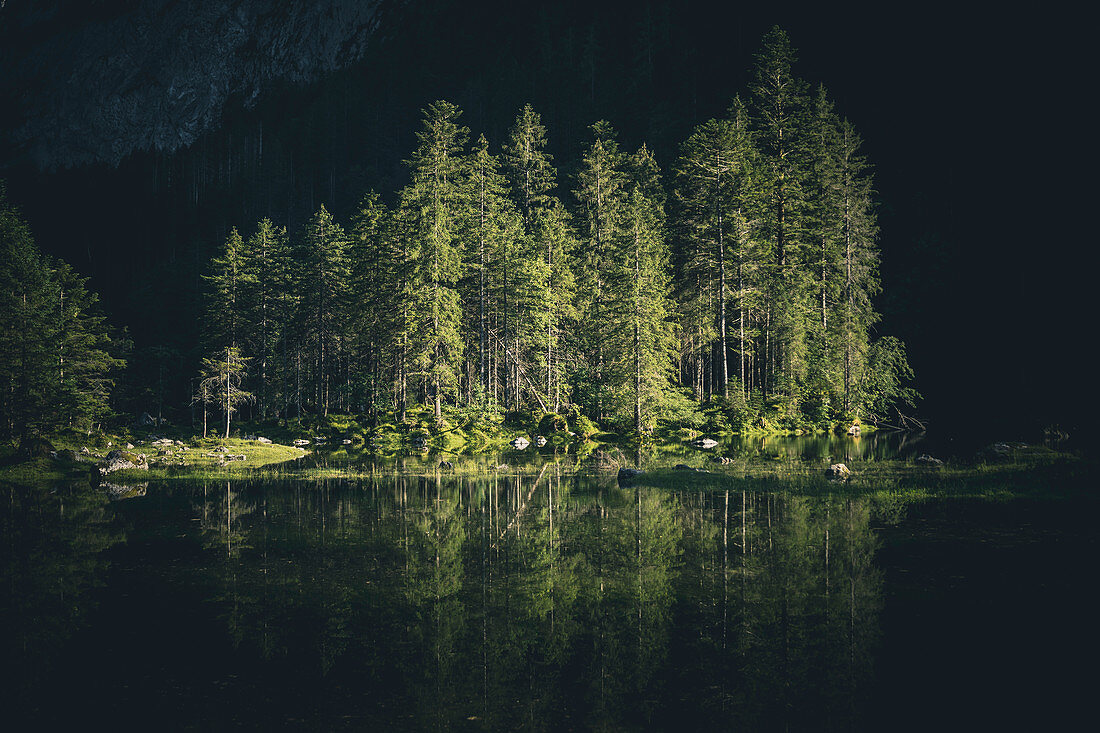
551	423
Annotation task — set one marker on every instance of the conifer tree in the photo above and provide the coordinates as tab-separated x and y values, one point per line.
376	277
266	282
780	104
25	355
325	273
860	260
220	385
57	356
491	229
433	202
552	232
226	283
528	164
650	310
600	271
86	353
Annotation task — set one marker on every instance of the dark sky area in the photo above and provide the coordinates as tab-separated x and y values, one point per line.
134	134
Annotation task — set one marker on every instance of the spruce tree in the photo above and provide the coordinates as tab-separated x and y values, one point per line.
226	284
220	384
528	164
25	352
87	359
491	230
376	276
324	286
433	202
650	311
780	104
601	274
266	264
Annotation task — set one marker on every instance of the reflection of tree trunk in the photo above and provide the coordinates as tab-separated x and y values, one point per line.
725	566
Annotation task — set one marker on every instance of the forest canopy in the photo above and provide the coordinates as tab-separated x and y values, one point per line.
741	279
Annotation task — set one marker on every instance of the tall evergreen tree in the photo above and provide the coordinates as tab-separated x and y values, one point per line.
87	357
25	355
377	265
226	283
780	104
528	164
266	280
650	311
57	356
601	275
434	201
325	275
492	228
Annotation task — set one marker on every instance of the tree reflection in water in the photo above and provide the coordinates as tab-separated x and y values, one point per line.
550	601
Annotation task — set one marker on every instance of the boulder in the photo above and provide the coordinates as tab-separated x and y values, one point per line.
628	475
118	492
263	441
162	441
145	419
838	471
996	452
704	443
722	460
685	467
129	446
68	455
854	431
346	441
301	442
553	423
929	460
220	449
540	442
521	443
118	460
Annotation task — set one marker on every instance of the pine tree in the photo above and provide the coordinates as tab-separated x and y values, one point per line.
325	274
491	229
824	232
433	202
86	354
780	104
57	356
858	229
599	267
552	232
25	356
226	283
265	281
650	310
528	165
377	265
221	376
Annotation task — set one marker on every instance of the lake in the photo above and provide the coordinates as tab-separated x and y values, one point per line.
542	601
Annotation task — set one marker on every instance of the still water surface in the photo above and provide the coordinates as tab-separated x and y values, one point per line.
539	602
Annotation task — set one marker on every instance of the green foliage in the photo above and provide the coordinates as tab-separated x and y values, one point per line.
58	357
747	287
